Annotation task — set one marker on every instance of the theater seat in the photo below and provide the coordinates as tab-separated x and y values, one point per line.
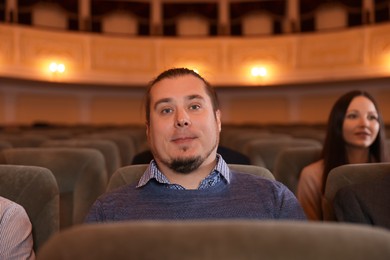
23	140
79	172
266	151
36	190
290	162
349	174
108	149
125	144
210	240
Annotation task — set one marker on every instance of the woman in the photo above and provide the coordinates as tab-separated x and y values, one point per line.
355	134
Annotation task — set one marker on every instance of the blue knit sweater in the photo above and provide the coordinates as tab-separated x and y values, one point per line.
246	197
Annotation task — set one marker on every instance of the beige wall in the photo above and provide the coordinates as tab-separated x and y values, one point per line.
316	108
24	102
295	104
42	107
258	110
2	108
331	16
383	98
120	22
257	23
116	110
49	15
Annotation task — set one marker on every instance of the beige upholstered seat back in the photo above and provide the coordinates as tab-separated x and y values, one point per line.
241	139
126	175
126	145
36	189
24	139
79	172
108	149
290	162
350	174
266	151
5	144
132	173
210	240
252	169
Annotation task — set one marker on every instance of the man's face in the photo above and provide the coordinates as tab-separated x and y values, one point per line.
183	130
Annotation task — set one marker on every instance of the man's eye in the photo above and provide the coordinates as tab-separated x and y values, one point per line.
194	107
166	111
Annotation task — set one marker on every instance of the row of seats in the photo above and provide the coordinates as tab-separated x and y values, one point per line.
284	150
209	240
274	148
263	145
128	143
79	159
39	191
284	159
81	173
58	193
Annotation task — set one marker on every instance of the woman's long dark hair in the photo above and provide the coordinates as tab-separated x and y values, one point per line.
334	151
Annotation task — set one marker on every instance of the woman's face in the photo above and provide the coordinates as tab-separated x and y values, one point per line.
361	125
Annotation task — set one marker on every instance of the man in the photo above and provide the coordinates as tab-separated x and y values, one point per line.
187	178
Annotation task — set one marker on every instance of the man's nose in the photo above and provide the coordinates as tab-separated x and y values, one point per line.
182	119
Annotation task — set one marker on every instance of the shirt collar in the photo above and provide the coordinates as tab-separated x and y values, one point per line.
152	172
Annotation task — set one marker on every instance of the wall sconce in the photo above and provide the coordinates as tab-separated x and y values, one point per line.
259	72
55	67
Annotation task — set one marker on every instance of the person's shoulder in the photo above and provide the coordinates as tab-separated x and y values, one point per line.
315	168
250	178
12	211
259	185
121	191
4	202
6	205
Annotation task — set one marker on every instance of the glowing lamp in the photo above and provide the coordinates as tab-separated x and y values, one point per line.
56	67
259	72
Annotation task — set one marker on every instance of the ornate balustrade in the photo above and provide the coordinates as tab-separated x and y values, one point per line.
226	61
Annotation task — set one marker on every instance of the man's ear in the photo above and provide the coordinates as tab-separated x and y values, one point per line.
147	130
218	118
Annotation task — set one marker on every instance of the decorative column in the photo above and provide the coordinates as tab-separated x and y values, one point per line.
11	11
368	12
85	21
292	22
156	18
223	17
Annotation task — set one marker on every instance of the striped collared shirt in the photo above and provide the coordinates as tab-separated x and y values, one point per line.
15	231
221	172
